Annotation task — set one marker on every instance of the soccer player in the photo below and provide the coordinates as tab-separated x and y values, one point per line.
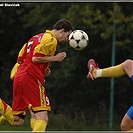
28	85
21	57
124	68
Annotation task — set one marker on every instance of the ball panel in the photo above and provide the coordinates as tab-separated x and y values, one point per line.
77	35
73	43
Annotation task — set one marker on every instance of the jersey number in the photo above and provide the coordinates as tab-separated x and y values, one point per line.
29	46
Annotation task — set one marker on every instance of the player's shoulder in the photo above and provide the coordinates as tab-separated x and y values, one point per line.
38	35
49	33
49	37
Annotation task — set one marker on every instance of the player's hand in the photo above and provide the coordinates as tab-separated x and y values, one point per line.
47	72
60	56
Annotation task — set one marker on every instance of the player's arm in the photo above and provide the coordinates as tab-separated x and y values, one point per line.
47	71
19	61
21	54
14	70
44	52
57	58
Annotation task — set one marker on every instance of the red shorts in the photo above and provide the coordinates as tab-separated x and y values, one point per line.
28	90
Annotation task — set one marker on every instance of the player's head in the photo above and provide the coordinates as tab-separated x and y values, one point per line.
63	29
63	24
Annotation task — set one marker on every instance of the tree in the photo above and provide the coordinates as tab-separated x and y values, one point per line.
68	88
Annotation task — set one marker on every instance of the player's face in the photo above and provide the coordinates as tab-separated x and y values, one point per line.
63	36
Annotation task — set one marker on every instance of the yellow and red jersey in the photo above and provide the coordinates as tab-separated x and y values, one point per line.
43	44
22	55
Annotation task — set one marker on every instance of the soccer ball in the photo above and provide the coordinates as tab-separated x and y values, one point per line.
78	39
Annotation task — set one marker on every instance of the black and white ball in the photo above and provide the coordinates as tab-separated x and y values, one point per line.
78	39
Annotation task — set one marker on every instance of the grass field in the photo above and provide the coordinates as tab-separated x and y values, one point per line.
60	122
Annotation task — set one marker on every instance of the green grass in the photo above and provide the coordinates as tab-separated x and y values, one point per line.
60	122
25	127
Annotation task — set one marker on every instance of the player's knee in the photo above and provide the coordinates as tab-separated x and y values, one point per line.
123	126
18	121
42	115
46	120
126	63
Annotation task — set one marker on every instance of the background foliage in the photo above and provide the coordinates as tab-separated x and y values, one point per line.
74	99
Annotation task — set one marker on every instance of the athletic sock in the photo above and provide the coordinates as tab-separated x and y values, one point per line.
114	71
2	120
40	125
6	111
32	119
32	123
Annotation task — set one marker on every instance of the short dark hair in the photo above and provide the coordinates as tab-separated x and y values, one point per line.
63	24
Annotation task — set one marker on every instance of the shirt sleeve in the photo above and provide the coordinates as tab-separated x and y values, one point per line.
47	45
22	53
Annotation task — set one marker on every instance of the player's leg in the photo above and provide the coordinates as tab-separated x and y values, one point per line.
41	121
33	117
2	120
114	71
127	121
35	93
41	113
19	103
95	72
6	111
19	119
32	121
7	115
128	67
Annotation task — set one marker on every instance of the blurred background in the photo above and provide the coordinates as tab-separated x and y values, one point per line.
78	104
